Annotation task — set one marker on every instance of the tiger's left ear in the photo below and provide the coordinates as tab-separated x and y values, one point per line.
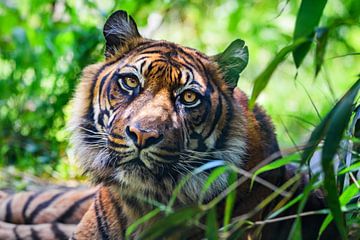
233	61
119	29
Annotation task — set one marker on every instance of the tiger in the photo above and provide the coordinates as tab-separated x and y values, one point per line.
144	118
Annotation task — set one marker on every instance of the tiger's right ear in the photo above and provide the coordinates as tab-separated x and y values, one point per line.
233	61
119	29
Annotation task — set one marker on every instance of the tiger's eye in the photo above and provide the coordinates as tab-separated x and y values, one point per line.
189	97
131	82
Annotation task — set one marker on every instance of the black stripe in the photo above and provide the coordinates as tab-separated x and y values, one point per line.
114	135
149	45
15	231
59	234
132	203
201	144
102	85
152	52
90	114
8	215
34	235
72	209
173	157
191	58
216	118
168	149
28	202
120	214
142	66
117	145
220	142
40	207
103	228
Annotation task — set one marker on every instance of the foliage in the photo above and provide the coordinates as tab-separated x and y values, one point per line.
45	44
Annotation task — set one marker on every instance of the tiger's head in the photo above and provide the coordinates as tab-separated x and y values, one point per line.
153	111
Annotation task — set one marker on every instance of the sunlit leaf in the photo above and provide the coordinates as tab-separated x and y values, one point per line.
351	168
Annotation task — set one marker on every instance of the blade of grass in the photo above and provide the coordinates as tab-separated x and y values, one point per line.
215	174
230	199
132	228
276	164
211	225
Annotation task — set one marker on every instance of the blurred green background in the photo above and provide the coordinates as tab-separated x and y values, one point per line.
45	44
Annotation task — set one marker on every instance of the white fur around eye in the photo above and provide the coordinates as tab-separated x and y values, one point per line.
123	87
194	104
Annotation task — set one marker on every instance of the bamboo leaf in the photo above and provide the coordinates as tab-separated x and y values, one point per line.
307	19
337	124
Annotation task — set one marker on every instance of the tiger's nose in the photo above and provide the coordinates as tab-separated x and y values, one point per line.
143	138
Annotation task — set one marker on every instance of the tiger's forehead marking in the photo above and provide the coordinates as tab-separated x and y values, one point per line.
169	64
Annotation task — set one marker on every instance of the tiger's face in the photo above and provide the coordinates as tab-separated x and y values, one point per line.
153	112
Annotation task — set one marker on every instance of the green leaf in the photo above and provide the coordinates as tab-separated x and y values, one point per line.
276	164
339	120
215	174
351	168
345	197
132	228
211	225
321	37
186	178
263	79
170	223
233	61
230	199
307	19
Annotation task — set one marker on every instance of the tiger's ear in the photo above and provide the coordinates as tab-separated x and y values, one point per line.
119	29
233	61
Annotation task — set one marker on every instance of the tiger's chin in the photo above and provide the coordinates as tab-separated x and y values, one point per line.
134	175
